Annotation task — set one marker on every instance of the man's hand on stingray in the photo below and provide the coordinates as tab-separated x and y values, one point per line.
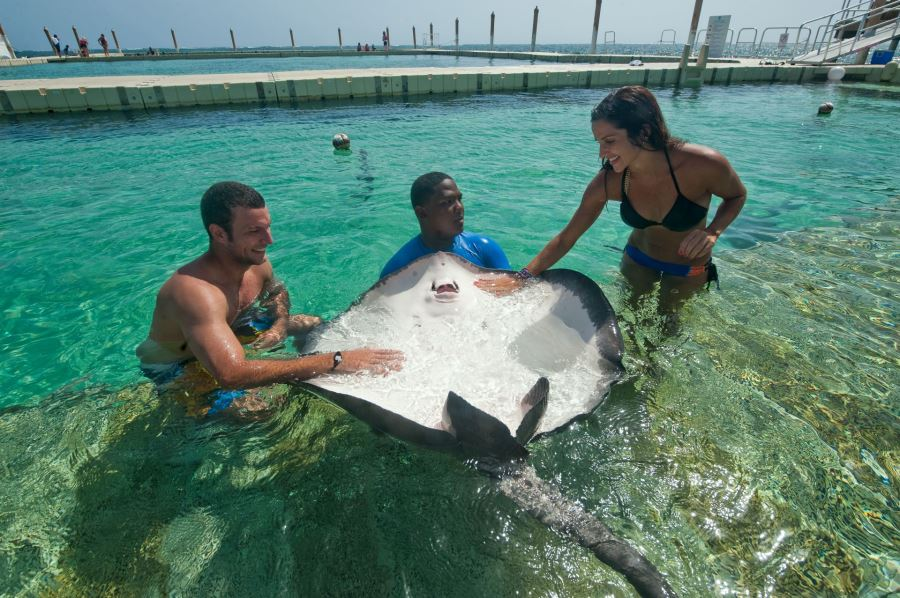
374	361
499	285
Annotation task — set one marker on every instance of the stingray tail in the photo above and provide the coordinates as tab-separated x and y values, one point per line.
546	503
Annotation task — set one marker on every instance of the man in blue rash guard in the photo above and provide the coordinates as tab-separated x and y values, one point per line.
437	202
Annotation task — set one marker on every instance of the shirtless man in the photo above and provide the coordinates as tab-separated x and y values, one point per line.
229	290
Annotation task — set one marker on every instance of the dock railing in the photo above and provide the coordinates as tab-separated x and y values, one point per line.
851	29
662	36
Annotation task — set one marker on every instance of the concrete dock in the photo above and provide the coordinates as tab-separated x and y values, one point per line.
36	96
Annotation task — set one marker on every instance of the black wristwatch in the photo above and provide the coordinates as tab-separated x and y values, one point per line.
338	358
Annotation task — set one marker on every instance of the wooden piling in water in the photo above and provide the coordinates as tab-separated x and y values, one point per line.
703	56
292	38
695	21
9	46
174	41
596	26
49	41
431	34
233	43
692	35
414	37
534	29
340	40
492	31
116	40
457	34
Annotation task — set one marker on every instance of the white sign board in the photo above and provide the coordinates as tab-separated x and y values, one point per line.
716	35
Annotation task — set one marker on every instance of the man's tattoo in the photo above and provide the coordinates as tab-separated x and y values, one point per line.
275	296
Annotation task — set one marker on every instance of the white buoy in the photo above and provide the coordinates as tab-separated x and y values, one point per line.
341	141
826	108
836	73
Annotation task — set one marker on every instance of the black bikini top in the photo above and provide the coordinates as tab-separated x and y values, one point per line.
683	216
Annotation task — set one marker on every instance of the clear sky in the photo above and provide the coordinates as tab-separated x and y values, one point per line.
205	23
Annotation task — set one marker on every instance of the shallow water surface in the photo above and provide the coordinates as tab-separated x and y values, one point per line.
207	66
752	451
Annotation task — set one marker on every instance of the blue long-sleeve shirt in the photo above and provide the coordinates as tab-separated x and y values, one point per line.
478	249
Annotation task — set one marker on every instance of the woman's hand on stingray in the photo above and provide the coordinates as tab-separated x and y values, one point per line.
699	242
499	284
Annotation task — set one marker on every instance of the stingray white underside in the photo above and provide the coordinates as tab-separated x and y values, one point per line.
455	337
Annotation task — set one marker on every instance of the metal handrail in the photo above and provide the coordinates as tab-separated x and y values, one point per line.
860	17
661	35
741	31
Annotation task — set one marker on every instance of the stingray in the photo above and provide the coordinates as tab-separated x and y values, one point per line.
485	376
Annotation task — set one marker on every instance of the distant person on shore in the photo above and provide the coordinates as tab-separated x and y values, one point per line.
228	297
358	47
56	44
384	40
437	203
104	44
664	187
66	50
83	47
366	48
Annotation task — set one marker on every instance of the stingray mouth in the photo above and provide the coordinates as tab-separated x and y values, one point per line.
445	291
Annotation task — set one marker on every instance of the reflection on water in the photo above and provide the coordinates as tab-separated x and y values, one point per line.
753	452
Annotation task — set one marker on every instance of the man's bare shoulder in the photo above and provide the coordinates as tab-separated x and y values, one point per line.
191	286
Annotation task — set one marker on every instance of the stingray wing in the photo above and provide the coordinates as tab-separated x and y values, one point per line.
608	338
534	405
387	421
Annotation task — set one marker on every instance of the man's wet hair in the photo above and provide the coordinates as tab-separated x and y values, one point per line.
219	200
423	187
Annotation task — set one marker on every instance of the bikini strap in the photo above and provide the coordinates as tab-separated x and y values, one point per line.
672	172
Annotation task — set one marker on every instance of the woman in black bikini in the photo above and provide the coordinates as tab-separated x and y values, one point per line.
664	186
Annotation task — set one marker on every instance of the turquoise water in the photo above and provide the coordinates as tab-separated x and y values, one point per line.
196	66
753	452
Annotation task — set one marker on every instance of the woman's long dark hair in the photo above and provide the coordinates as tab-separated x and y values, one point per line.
634	109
